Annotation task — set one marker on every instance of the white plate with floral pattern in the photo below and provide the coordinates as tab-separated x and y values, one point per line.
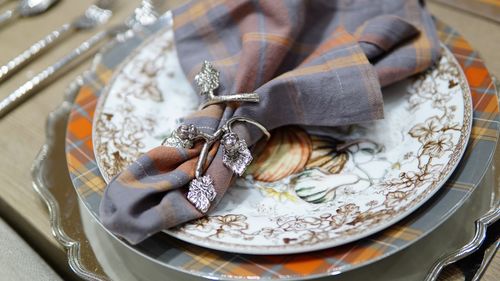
307	188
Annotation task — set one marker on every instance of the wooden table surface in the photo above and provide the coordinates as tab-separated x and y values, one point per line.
23	132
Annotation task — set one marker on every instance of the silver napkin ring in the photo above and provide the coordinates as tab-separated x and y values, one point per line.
201	189
207	81
236	156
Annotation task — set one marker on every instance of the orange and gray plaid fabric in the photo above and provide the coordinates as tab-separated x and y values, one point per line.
320	63
198	261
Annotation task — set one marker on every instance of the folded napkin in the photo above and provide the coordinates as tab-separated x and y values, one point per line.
319	63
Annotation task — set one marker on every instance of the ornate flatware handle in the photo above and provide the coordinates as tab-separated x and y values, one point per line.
33	51
8	16
29	88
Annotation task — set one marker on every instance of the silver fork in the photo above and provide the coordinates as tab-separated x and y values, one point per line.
95	15
144	15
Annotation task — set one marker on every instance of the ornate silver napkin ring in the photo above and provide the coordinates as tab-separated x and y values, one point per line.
236	156
207	81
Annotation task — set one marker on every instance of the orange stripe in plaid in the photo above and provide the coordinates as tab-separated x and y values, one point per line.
247	269
460	43
484	133
423	50
476	75
399	232
96	184
229	61
492	105
304	264
90	180
87	101
88	143
203	259
86	93
354	59
361	254
80	127
270	38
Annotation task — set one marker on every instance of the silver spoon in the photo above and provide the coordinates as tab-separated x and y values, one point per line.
27	8
144	15
95	15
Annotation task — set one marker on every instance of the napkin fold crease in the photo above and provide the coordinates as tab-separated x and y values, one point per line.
319	63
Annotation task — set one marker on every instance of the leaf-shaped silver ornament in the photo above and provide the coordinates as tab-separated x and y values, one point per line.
235	153
201	193
184	137
174	141
208	78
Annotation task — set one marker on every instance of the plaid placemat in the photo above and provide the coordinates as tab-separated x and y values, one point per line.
215	264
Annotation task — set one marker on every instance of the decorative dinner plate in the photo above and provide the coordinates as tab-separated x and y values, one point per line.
308	188
81	227
198	261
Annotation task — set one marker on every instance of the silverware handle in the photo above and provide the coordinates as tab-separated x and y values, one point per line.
29	88
29	54
8	16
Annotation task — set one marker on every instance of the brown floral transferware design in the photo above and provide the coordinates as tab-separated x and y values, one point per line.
311	188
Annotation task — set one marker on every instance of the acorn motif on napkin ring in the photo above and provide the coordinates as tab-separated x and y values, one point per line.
184	136
207	81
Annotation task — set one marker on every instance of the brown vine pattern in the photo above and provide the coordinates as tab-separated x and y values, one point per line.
119	146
